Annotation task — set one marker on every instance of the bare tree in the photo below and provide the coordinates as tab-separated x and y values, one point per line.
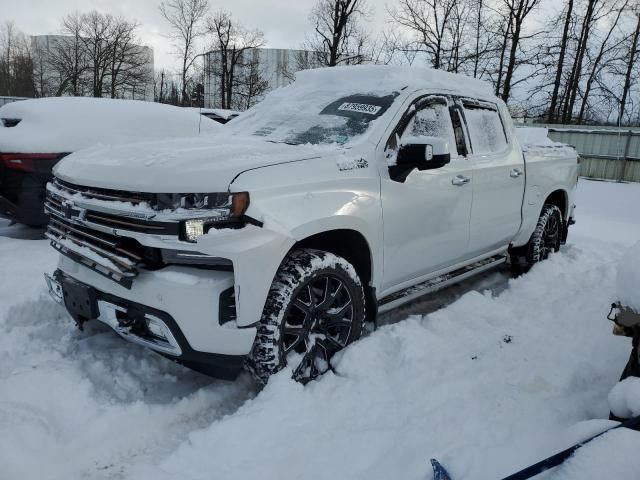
338	37
66	57
631	59
551	114
429	21
128	61
16	63
596	64
185	18
96	37
251	85
232	46
517	12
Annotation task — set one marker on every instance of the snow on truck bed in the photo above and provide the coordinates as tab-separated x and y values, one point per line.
488	384
67	124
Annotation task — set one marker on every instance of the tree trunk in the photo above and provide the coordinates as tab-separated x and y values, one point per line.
596	64
506	90
627	78
477	55
574	83
551	114
503	51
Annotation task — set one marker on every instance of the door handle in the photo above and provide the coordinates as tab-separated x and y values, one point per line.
460	180
516	172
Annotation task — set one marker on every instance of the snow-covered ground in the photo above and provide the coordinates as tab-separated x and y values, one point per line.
491	382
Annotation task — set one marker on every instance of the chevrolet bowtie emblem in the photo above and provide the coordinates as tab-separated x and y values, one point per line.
67	209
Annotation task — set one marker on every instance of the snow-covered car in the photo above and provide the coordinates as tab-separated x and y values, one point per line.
220	115
35	134
349	192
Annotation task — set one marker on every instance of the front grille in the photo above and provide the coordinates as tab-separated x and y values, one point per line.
141	222
136	198
98	239
112	256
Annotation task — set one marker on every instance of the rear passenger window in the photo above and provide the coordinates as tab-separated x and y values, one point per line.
485	129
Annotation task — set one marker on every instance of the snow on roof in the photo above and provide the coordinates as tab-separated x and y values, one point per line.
374	78
67	124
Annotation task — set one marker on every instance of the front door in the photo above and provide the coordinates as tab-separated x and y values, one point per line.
426	214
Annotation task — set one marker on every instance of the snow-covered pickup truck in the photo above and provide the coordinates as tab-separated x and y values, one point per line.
347	193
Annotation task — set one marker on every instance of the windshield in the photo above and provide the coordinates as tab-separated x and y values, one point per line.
316	117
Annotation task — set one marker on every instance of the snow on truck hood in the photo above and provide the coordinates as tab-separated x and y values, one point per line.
189	165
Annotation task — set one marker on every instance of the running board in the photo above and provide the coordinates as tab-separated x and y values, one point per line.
416	291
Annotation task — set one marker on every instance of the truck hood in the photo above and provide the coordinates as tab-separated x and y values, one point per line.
189	165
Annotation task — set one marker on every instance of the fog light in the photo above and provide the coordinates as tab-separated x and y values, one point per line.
193	229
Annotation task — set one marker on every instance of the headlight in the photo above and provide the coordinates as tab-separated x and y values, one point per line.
189	201
229	216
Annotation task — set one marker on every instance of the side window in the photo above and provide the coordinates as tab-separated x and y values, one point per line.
486	131
433	120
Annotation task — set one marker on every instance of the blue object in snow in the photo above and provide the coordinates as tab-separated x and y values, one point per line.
439	472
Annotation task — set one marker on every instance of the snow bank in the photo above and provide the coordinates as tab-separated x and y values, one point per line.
534	136
628	281
614	456
624	398
487	384
67	124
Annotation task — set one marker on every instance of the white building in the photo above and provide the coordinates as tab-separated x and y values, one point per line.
276	68
48	79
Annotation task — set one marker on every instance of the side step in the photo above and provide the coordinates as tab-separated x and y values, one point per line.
429	286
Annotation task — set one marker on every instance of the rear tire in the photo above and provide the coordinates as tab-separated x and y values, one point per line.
315	307
546	238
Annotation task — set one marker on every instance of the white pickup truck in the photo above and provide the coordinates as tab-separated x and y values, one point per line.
347	193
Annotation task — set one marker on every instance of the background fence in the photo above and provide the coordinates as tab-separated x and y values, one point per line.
606	152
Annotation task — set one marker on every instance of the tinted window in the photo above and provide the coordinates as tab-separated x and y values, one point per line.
485	130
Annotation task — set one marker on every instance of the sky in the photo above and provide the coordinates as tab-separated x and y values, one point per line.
284	22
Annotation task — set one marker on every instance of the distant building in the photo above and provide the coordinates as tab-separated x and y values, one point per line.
263	70
48	80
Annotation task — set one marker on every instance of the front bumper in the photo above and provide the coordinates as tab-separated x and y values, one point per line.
180	304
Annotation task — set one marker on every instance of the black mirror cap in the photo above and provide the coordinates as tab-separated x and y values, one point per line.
415	156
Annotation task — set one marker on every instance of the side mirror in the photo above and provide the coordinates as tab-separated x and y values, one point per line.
423	153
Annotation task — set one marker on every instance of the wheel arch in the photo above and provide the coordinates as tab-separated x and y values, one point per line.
347	243
559	198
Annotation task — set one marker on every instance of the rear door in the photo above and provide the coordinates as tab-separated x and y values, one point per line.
426	214
498	178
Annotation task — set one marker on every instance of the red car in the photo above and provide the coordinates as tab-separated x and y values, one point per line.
36	134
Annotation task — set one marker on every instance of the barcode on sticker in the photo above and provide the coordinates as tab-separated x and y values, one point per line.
360	107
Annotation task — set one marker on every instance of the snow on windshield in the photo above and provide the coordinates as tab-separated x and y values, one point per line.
295	116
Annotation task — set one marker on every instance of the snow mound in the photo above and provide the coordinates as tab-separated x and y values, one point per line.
534	136
628	281
387	78
612	456
67	124
624	398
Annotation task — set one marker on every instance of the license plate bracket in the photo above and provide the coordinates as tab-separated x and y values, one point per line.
81	301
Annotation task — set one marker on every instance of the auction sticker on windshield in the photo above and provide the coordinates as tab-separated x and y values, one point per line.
360	107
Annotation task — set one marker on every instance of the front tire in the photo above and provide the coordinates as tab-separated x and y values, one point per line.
546	238
315	307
